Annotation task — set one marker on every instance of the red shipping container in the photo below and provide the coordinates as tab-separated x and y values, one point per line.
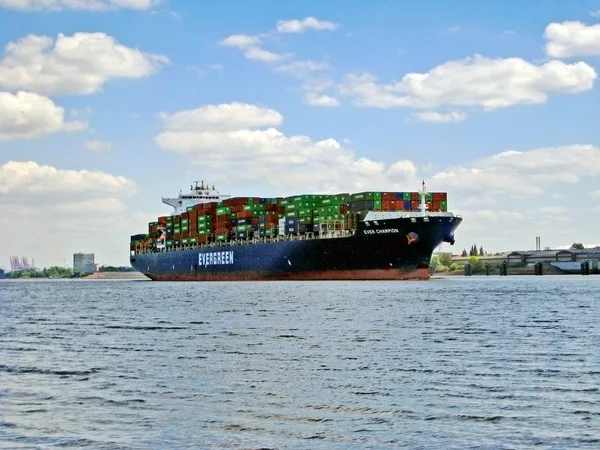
343	209
385	205
435	205
414	205
443	196
414	196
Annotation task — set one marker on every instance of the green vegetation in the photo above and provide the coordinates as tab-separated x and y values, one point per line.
477	265
577	246
62	272
443	263
116	269
49	272
473	251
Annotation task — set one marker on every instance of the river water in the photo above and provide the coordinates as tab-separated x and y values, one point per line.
460	362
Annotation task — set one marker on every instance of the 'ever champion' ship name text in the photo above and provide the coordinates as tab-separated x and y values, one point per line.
215	258
383	231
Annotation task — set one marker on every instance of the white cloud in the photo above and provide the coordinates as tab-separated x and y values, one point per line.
83	5
454	29
235	144
98	146
303	68
78	64
314	81
481	81
321	100
552	210
20	180
569	39
241	41
251	46
436	117
223	117
595	13
300	26
595	194
28	115
308	71
518	174
260	54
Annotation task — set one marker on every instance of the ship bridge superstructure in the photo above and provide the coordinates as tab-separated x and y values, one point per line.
198	193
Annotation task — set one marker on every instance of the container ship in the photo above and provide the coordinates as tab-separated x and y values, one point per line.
361	236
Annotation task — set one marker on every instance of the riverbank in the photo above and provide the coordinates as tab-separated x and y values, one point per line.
116	276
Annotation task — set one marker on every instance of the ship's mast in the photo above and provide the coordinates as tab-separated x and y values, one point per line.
423	192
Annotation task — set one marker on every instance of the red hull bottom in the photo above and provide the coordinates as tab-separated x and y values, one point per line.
364	275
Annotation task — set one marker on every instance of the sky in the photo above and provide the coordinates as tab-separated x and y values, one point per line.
108	105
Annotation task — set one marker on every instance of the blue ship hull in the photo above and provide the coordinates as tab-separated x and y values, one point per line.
391	249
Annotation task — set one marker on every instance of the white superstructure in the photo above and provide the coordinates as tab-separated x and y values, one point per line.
199	193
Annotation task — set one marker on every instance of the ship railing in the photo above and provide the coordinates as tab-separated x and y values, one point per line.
326	234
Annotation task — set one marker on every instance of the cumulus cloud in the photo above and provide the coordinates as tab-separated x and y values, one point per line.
520	174
77	64
477	81
300	26
321	100
437	117
97	146
568	39
251	46
29	115
222	117
314	79
75	210
311	73
82	5
29	179
234	140
552	210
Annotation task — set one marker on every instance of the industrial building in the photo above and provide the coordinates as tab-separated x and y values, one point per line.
83	263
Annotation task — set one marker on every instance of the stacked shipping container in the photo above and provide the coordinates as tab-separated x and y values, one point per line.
250	217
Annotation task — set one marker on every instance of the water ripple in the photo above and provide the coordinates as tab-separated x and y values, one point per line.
477	362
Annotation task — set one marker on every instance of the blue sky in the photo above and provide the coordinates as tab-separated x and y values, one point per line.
108	105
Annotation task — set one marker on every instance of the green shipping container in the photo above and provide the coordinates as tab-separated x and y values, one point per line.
407	196
169	244
444	204
223	210
242	228
193	240
221	237
184	241
428	197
